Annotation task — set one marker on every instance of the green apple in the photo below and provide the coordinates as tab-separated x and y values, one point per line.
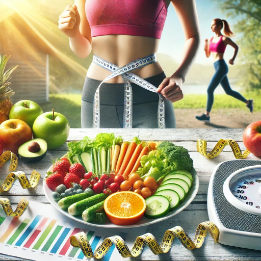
53	127
26	111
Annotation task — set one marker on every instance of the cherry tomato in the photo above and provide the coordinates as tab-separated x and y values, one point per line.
84	183
125	185
114	187
97	188
112	175
137	191
134	177
138	184
87	175
104	177
107	191
119	179
145	192
150	182
108	182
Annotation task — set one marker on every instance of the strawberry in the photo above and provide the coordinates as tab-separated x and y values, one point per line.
77	169
54	180
71	178
61	166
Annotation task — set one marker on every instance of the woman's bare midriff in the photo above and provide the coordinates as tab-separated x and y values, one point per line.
121	50
217	56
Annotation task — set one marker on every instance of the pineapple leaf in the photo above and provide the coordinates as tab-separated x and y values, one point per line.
7	74
3	62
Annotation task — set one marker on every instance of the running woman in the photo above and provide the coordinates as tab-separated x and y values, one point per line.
217	45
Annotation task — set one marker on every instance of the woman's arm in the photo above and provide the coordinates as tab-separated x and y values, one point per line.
235	46
74	24
186	11
206	48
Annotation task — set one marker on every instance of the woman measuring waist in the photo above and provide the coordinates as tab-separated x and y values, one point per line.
122	38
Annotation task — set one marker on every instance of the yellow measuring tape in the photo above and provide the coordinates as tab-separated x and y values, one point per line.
4	157
21	207
202	149
80	240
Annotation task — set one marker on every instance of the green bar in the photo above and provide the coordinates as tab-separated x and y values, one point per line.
18	231
2	219
52	238
75	249
44	235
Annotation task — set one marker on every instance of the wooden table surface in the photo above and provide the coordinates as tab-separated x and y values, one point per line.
189	218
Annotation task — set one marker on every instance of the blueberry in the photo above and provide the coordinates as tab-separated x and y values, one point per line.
89	190
56	196
63	195
60	189
78	191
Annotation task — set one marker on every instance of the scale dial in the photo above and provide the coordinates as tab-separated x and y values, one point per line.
242	189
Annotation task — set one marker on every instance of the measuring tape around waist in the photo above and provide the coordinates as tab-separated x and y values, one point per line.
80	240
128	78
202	149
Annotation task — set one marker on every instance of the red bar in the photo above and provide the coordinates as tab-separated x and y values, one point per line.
35	234
67	244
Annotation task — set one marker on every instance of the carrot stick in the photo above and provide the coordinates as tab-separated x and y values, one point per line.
127	157
115	157
133	160
144	151
124	147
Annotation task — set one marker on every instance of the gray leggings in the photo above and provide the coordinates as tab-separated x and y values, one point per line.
145	105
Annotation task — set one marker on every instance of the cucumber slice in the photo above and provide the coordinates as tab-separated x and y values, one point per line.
171	195
87	161
76	159
156	206
174	187
184	172
178	176
180	182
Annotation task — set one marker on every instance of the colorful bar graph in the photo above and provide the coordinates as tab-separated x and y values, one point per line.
18	231
67	244
28	231
60	240
2	219
9	230
35	234
52	238
44	235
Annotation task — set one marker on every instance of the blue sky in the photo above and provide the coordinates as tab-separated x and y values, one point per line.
172	39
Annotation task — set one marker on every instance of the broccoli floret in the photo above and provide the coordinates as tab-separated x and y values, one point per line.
180	159
165	144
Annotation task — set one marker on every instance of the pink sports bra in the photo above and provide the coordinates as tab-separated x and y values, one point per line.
129	17
217	47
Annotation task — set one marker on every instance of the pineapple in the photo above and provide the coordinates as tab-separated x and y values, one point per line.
5	90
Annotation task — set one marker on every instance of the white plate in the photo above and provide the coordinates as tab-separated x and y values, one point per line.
144	221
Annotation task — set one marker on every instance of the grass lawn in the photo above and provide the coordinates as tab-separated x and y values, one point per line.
70	104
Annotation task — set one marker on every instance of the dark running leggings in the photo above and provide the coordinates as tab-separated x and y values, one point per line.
220	77
145	105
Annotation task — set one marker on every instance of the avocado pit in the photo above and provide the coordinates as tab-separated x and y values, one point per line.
33	146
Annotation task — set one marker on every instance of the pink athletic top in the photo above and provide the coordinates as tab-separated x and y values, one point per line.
129	17
218	47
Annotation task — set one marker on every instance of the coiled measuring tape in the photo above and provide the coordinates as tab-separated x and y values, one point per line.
5	156
202	149
128	78
80	240
21	207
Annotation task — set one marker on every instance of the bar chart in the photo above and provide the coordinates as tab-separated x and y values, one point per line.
33	235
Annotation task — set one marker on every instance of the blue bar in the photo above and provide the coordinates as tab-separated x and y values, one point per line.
93	246
28	231
109	253
60	240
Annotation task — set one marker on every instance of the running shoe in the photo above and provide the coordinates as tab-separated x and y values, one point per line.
203	117
250	105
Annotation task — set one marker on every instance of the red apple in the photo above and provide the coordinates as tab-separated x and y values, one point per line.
252	138
1	148
13	133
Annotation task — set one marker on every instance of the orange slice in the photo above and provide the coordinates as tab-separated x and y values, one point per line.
124	207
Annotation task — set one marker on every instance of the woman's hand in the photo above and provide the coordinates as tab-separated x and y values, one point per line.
170	88
231	61
69	21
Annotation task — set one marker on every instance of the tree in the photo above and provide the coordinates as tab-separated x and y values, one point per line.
247	13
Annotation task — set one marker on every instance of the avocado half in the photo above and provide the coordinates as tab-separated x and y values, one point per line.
28	156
